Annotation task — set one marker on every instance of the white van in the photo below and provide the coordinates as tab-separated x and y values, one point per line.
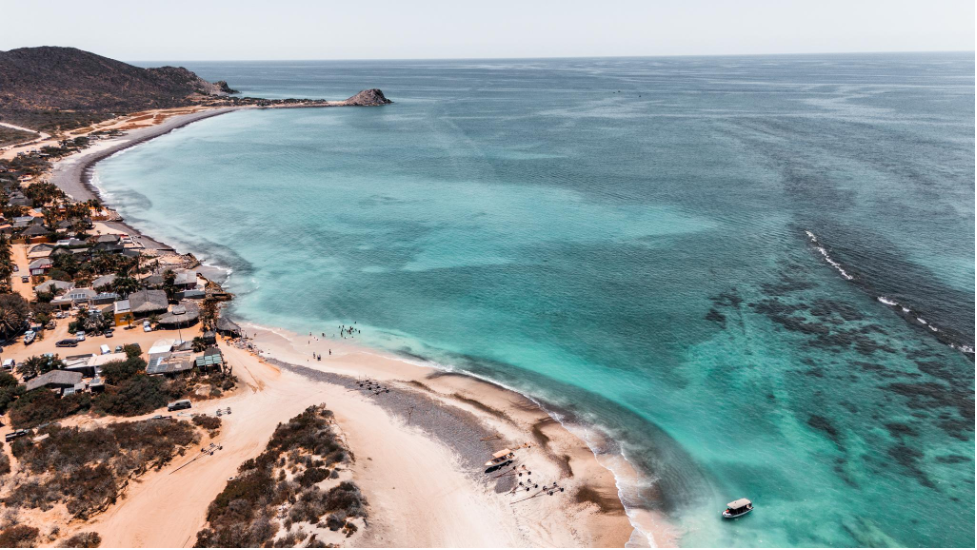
9	364
105	349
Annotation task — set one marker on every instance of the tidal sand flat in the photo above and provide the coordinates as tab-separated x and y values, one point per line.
629	243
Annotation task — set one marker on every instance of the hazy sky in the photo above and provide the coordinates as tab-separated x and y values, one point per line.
380	29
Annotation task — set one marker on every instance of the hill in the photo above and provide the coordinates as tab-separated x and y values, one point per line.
48	88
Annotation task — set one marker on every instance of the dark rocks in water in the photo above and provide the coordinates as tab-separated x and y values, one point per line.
909	458
898	429
716	317
930	396
952	459
822	424
824	307
727	298
368	98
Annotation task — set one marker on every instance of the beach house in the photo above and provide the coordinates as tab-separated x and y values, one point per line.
57	380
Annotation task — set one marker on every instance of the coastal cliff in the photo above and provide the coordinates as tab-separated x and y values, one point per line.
55	89
50	88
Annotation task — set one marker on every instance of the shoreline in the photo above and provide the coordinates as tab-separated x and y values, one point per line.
73	175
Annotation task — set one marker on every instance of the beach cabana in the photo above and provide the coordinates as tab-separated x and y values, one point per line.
148	302
227	327
183	315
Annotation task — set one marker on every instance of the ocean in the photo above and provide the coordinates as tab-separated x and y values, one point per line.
752	276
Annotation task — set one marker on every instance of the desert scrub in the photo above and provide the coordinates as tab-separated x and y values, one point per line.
210	423
308	447
86	469
19	536
82	540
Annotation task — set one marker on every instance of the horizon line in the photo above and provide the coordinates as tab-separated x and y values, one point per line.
528	58
557	57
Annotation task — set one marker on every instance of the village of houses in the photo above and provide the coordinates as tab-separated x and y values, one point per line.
94	295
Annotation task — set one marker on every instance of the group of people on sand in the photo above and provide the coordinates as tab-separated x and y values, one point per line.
344	332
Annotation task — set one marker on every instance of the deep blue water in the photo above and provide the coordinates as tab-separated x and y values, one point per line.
627	240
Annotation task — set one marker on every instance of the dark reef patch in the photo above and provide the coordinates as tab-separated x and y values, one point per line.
716	317
898	429
909	458
824	425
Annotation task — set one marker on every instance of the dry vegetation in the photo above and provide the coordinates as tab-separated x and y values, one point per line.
290	495
9	136
129	392
88	469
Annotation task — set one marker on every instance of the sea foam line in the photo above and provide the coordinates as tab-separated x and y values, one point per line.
827	257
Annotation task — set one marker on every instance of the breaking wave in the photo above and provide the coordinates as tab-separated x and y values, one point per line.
904	311
827	257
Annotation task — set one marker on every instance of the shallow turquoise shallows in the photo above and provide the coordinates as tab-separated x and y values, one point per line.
754	275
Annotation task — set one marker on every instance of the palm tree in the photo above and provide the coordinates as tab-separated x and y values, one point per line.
31	367
13	313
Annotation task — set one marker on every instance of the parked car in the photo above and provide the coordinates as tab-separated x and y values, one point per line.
25	279
29	337
178	405
15	434
9	364
67	343
16	268
119	349
80	335
146	327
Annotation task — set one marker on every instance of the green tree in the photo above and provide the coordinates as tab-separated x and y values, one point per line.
13	314
37	365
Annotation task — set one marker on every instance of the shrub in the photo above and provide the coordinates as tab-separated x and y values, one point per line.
18	536
82	540
10	390
209	423
116	372
4	463
137	395
312	476
239	515
42	405
85	468
132	350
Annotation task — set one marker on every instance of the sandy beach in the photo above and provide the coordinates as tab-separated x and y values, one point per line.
419	449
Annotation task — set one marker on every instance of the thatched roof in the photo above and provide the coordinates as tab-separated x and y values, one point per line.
226	325
148	301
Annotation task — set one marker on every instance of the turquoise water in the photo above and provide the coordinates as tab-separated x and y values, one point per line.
626	239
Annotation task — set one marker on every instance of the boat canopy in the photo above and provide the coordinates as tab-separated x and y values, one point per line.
502	453
737	504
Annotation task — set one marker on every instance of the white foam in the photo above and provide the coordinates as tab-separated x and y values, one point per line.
887	301
828	258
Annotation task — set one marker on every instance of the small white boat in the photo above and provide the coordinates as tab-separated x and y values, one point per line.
738	509
500	457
